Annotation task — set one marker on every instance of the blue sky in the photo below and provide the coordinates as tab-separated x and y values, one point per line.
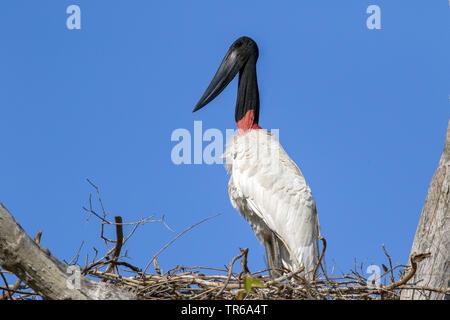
362	112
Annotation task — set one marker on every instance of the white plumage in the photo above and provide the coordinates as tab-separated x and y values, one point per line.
271	193
265	185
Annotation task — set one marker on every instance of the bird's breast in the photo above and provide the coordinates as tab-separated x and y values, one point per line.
271	193
262	175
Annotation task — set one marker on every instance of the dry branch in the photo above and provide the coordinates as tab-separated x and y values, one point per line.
41	271
173	240
119	242
244	252
415	258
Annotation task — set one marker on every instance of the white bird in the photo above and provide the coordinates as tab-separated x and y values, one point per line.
265	185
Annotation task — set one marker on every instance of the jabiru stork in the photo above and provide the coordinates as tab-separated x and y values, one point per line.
265	185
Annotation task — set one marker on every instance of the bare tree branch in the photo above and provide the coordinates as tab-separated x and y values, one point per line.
40	270
171	241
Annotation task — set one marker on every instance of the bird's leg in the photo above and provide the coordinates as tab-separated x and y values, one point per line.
268	247
277	265
273	256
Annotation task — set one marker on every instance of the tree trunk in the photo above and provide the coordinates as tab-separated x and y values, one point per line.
47	276
433	234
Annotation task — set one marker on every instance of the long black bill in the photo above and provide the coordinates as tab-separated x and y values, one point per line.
234	61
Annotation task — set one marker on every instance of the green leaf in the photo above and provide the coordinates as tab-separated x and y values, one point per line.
250	282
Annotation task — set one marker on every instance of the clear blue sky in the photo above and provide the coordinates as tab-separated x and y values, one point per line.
362	112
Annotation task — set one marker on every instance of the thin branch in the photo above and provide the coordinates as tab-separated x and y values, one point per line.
77	254
179	235
390	264
8	293
324	247
230	270
285	277
415	258
119	242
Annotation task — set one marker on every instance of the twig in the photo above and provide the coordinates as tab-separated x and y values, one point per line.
285	277
244	262
77	254
99	197
156	266
230	270
8	293
118	247
415	258
179	235
390	263
38	237
324	247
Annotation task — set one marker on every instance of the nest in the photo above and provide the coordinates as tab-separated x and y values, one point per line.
207	283
191	283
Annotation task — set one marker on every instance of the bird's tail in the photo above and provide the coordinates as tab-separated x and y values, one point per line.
306	256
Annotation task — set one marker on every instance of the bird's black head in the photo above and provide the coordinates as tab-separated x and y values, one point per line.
241	57
245	47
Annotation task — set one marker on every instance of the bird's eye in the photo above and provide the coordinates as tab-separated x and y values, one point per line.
238	44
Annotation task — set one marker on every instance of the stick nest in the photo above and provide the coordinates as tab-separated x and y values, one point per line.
226	283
